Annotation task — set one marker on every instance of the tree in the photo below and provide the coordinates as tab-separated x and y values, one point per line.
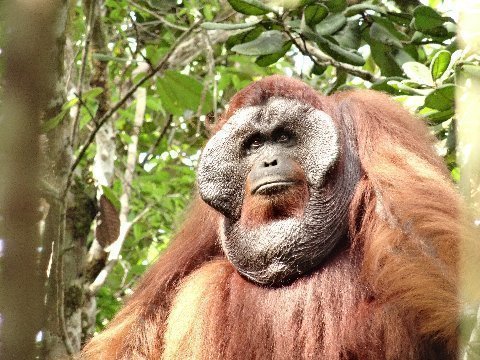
137	84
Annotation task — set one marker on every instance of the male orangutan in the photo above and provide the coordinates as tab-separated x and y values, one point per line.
325	228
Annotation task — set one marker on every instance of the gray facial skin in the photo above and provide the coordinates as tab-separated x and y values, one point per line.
277	252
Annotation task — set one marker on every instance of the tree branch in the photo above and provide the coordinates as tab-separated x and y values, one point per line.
129	93
86	47
155	15
318	56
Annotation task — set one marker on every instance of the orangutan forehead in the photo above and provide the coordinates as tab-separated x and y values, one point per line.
275	110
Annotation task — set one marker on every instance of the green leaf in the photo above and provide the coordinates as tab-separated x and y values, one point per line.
337	52
331	24
268	42
400	18
54	122
154	103
442	98
425	18
336	5
250	7
401	57
440	116
413	52
380	33
110	195
360	8
314	14
71	103
455	174
92	93
383	57
207	12
244	37
418	73
390	27
385	86
440	63
154	53
265	60
227	26
180	92
404	88
439	33
350	36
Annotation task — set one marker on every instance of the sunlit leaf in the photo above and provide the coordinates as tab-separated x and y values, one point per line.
442	98
92	93
418	73
71	103
52	123
268	42
440	63
455	173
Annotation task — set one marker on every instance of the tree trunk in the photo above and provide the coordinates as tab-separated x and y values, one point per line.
30	79
67	225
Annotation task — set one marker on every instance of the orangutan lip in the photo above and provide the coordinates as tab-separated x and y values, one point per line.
272	187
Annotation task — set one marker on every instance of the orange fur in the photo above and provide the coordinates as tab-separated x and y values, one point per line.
391	291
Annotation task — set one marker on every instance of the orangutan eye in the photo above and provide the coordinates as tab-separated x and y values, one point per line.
255	143
284	137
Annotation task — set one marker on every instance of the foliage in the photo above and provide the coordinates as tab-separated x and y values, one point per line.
407	51
410	53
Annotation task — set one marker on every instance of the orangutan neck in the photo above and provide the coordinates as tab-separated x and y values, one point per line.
217	314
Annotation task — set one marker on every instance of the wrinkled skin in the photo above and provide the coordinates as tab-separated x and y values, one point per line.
282	174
